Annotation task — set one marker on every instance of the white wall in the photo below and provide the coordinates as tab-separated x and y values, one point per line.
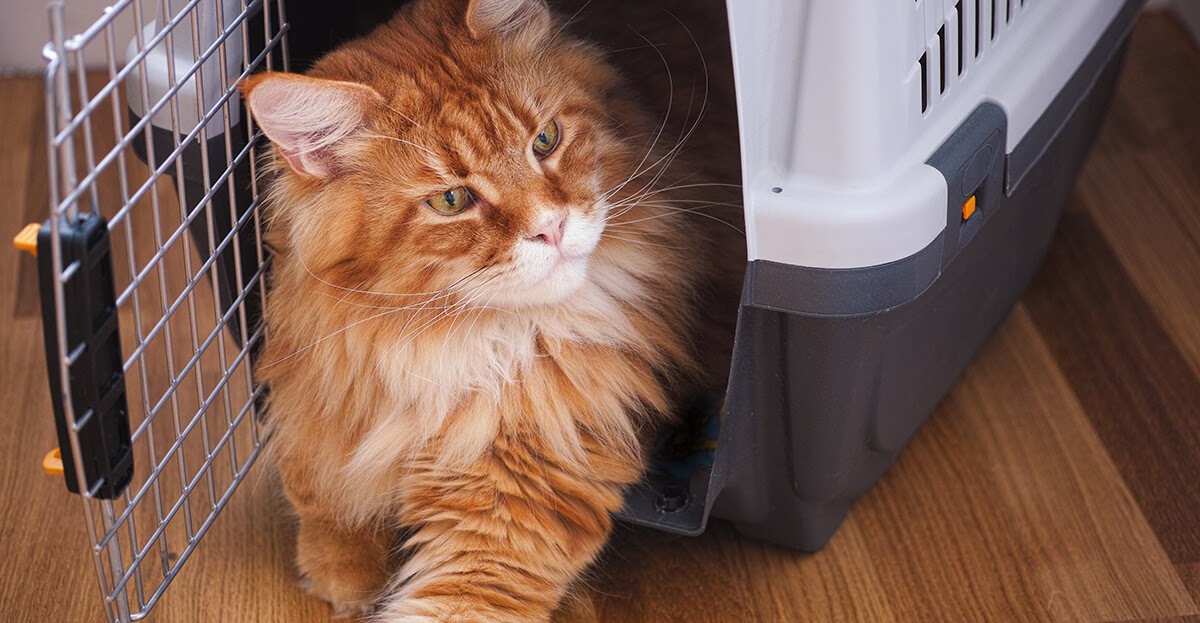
25	28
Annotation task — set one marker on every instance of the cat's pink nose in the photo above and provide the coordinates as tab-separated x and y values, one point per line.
551	230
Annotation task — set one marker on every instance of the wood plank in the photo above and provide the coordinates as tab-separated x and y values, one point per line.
1160	53
23	171
1005	507
649	576
1033	498
1139	392
1190	574
1142	186
1147	216
43	551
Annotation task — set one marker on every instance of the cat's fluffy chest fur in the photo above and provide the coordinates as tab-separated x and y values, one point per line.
400	385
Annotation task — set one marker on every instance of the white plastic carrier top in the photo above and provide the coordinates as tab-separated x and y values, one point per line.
841	102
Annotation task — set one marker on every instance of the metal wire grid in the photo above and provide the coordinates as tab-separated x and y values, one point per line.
193	408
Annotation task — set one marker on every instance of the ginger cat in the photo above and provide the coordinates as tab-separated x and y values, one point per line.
495	275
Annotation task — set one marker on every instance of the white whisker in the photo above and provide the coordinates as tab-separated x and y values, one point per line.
400	140
636	241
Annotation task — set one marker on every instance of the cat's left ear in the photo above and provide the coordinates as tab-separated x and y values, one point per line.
307	118
499	17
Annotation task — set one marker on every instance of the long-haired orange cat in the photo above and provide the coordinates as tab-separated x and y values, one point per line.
485	299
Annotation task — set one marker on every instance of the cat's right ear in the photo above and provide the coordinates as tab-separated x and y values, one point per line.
306	117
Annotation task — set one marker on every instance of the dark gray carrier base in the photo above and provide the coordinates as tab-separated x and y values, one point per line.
834	370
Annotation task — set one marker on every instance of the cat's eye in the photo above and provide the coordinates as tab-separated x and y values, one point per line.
451	201
546	140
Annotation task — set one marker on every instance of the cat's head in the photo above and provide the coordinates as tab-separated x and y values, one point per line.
467	145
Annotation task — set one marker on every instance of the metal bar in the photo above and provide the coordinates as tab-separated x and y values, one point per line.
119	596
89	145
267	31
287	57
180	189
114	551
65	148
123	184
56	93
252	138
231	188
157	217
143	382
156	213
205	205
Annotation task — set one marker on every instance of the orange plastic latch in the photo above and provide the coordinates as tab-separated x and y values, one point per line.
27	240
52	463
968	208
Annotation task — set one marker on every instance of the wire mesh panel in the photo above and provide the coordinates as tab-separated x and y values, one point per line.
152	154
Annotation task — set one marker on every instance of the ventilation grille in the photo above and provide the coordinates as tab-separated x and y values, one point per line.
969	32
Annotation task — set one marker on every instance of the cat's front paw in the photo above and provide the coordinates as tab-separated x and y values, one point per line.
345	600
346	568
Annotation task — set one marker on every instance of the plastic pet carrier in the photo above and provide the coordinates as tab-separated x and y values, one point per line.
904	165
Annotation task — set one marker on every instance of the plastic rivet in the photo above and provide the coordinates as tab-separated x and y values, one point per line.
672	499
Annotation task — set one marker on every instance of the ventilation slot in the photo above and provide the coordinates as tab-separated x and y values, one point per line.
994	20
924	62
942	59
1007	11
978	14
959	16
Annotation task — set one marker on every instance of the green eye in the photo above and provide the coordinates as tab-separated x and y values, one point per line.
451	201
546	140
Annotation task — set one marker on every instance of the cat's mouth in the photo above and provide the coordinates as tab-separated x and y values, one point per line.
557	279
565	257
565	266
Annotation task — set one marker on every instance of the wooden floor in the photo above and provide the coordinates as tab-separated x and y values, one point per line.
1060	479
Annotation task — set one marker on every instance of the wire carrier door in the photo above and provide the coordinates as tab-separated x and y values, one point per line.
151	272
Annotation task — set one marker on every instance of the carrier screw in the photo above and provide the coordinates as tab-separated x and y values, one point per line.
672	499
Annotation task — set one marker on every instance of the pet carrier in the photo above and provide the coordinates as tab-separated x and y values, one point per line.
904	166
902	178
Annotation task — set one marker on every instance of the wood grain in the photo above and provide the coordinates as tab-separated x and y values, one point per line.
27	128
1142	185
1139	392
1056	482
1190	574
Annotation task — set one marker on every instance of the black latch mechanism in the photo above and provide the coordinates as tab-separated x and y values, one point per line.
93	350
